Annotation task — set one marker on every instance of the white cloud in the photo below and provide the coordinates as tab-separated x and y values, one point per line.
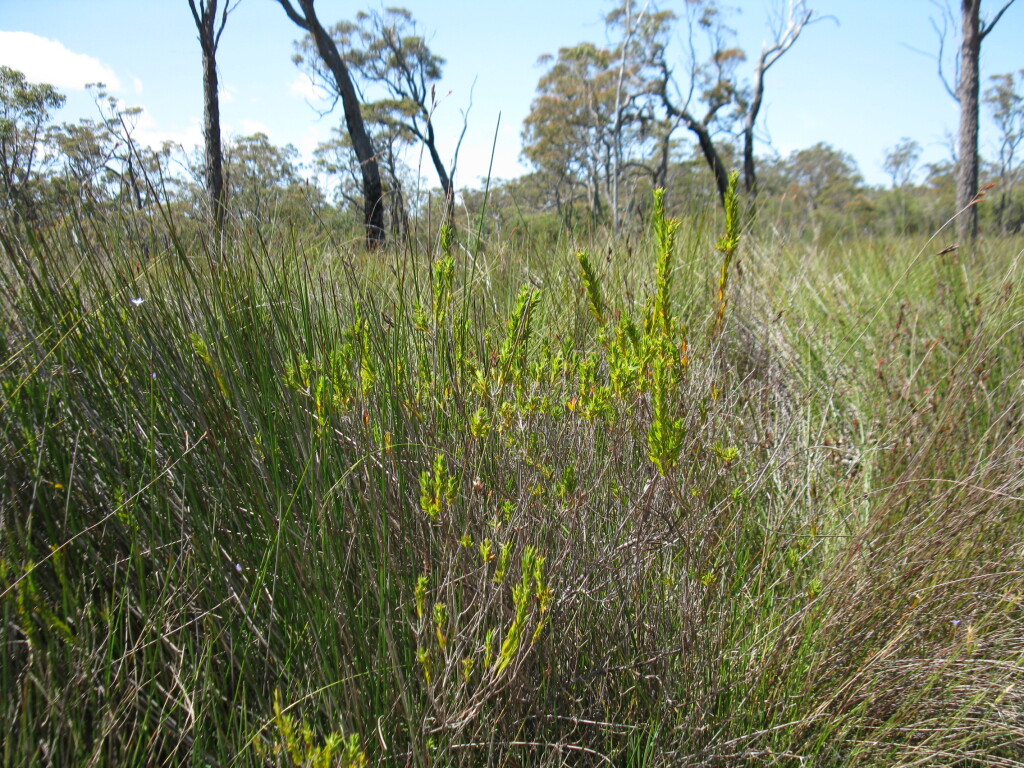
47	61
147	132
303	86
252	127
137	84
311	138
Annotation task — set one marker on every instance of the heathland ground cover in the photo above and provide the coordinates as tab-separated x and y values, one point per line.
687	496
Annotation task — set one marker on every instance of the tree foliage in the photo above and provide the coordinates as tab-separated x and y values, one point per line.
901	161
25	117
607	116
822	176
1005	100
262	179
596	122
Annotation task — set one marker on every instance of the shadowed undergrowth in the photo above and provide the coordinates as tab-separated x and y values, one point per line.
692	505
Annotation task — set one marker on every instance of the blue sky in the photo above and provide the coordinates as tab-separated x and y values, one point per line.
860	79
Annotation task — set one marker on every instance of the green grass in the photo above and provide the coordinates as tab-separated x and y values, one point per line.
444	506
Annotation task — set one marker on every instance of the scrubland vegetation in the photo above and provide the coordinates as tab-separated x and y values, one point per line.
606	465
694	496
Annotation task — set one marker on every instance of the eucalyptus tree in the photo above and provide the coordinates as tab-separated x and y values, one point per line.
137	172
259	176
393	55
605	115
712	91
25	119
88	150
823	190
336	160
303	14
210	30
822	176
596	122
713	101
900	163
639	123
396	75
1005	100
568	132
973	31
785	34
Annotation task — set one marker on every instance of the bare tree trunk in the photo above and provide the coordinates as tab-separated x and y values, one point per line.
211	132
373	191
973	33
967	92
134	188
659	178
714	160
749	120
799	17
399	217
701	131
442	173
707	148
209	36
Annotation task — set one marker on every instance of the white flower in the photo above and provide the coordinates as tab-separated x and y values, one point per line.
137	302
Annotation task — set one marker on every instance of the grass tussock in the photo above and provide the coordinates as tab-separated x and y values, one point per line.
713	500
